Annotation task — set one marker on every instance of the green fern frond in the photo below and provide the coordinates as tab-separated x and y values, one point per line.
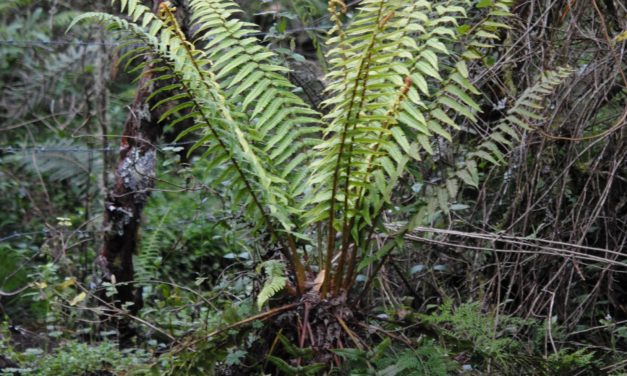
278	119
528	108
505	136
9	5
455	96
428	359
37	82
480	36
398	80
149	258
382	99
287	369
392	83
275	280
60	166
226	136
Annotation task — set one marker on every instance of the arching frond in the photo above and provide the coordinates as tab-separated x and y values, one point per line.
505	136
57	161
527	109
228	136
280	124
202	94
398	81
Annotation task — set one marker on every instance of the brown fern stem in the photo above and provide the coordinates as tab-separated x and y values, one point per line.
331	231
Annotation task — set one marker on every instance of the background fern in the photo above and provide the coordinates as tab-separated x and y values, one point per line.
59	164
497	145
149	259
275	280
527	109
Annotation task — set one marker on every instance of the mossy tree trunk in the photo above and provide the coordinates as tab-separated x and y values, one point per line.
134	180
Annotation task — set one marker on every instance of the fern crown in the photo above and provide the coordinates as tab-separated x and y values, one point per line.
398	80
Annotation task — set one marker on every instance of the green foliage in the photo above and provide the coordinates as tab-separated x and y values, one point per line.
287	369
234	357
59	167
13	276
40	77
386	99
384	360
275	280
38	286
391	91
74	358
293	350
148	261
428	359
47	109
499	143
400	85
277	119
13	5
467	328
567	361
187	236
527	108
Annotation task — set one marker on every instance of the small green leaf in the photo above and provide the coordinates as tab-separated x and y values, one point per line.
452	186
456	207
467	178
234	358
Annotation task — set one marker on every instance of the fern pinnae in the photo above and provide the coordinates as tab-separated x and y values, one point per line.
362	60
181	55
211	85
147	258
398	102
525	107
505	135
425	63
273	197
203	95
246	69
275	280
402	28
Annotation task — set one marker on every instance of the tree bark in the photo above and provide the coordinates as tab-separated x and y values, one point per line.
134	179
125	201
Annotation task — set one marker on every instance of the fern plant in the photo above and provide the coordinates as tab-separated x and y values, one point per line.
149	258
275	280
317	185
54	160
